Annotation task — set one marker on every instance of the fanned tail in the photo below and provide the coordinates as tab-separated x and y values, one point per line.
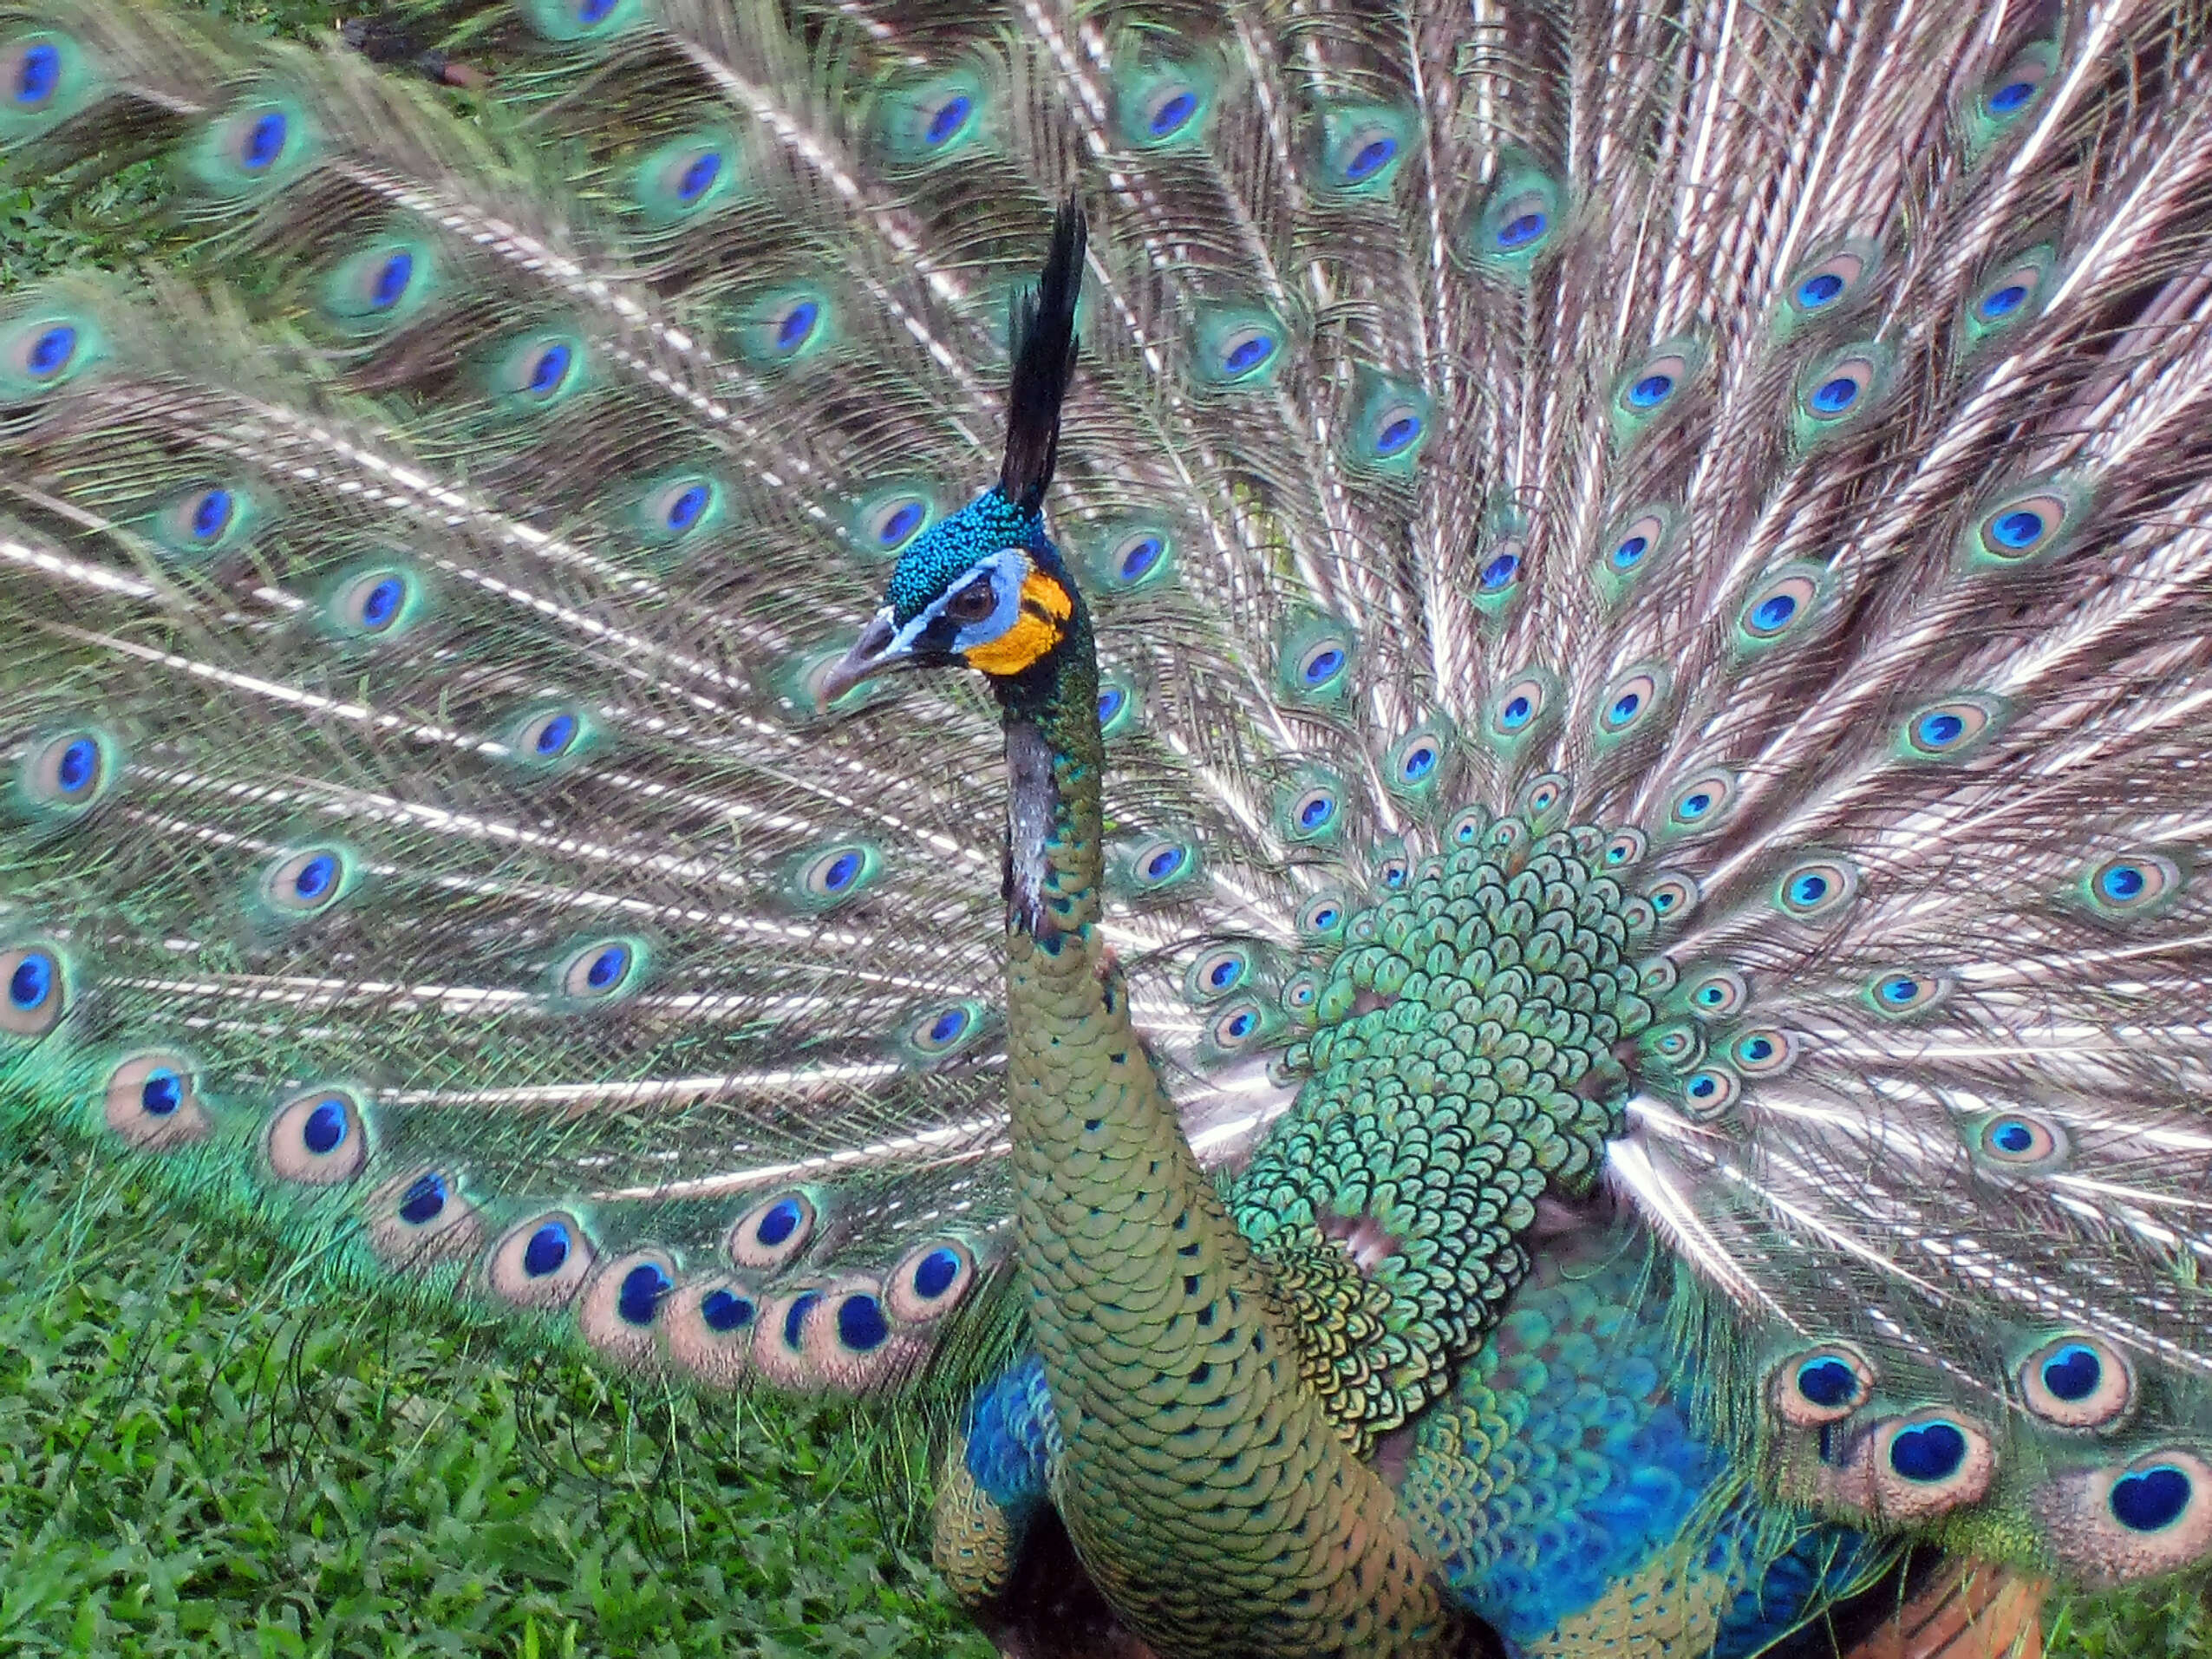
1770	439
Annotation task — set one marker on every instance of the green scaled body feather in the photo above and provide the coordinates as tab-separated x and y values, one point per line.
1641	630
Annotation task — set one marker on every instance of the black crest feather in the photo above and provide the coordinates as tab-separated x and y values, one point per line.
1044	361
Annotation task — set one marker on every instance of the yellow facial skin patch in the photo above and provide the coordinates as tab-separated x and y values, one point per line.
1046	607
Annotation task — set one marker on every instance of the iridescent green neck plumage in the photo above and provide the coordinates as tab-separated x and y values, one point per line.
1202	1484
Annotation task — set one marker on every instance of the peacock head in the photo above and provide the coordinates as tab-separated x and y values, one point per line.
985	588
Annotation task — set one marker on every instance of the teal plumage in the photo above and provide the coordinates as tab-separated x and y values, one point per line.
1597	674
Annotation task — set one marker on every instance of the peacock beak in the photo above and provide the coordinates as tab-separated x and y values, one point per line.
878	650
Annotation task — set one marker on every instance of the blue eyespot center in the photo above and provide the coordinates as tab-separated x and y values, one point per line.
1624	707
2004	302
1630	552
1419	761
861	1325
1110	703
51	351
556	735
1323	665
642	1287
685	509
595	11
608	967
1500	570
797	325
381	603
1899	990
699	177
1651	391
547	1250
424	1199
1928	1451
1225	973
1325	917
725	1310
1371	156
1808	889
794	1316
1316	811
2011	1135
210	515
2121	882
162	1092
37	74
1172	114
1399	432
2022	527
1519	231
1837	396
264	142
1248	354
2014	96
1939	730
325	1128
1828	1381
1163	863
392	279
951	116
78	769
934	1274
1774	611
32	981
1138	559
1695	804
549	369
2150	1500
948	1025
778	1222
1704	1085
1517	712
2073	1372
902	522
841	871
1240	1025
315	879
1816	291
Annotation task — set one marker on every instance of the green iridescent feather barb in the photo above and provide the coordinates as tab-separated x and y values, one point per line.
1540	989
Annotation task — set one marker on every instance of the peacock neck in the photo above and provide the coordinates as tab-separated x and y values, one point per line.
1208	1493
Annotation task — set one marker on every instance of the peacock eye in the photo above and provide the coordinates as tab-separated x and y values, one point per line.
373	603
1168	111
549	735
1625	848
308	881
71	771
1708	1092
975	603
600	971
37	67
37	992
1836	390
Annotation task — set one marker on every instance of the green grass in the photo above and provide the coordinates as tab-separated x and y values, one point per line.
187	1468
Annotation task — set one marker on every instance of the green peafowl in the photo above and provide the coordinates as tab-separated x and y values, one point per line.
1578	1027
